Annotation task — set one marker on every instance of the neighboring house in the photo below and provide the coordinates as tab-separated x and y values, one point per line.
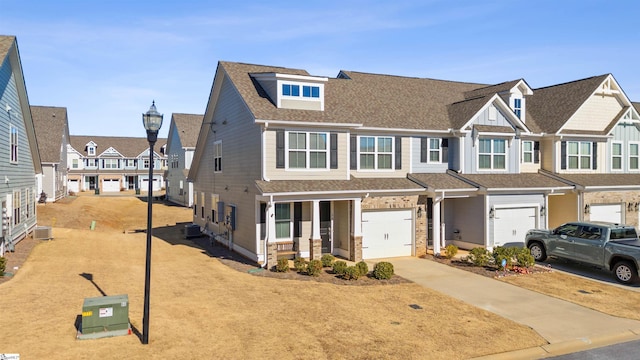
108	164
52	131
368	166
181	144
19	157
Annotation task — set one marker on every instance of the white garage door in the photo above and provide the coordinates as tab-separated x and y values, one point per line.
387	233
145	184
110	185
606	212
73	185
510	225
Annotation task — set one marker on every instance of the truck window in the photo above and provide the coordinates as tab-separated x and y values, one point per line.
567	229
623	233
591	233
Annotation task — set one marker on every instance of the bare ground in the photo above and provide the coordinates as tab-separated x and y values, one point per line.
202	308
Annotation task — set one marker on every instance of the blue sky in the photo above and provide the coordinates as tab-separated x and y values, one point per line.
105	61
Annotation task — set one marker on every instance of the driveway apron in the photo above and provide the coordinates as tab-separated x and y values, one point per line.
554	319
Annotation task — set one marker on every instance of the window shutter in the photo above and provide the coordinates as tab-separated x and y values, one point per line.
563	155
398	152
536	152
353	152
297	219
595	155
280	149
220	212
424	149
444	147
333	155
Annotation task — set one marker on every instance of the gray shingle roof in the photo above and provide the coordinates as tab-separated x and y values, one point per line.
492	89
51	125
129	147
441	181
328	186
550	107
514	181
188	127
602	180
373	100
5	44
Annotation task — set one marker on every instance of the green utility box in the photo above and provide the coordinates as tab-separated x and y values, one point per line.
105	316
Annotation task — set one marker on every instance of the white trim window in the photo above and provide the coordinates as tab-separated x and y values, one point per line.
517	106
91	151
293	90
376	152
145	163
283	220
92	162
579	155
217	156
492	154
16	207
307	150
74	163
527	152
616	155
110	164
13	140
634	156
435	151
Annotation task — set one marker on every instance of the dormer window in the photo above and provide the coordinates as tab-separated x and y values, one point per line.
517	107
288	91
294	90
91	150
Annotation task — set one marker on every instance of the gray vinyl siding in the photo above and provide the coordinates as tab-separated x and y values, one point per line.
624	133
241	165
21	175
483	119
175	175
425	167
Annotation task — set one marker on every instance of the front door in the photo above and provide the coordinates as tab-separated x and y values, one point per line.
92	182
131	182
325	226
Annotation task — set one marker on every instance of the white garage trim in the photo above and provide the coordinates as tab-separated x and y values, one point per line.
110	185
606	212
511	223
387	233
73	185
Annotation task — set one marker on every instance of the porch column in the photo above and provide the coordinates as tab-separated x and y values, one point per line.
315	242
355	247
437	224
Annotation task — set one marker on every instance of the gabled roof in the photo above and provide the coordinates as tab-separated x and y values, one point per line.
551	107
9	50
492	89
370	100
129	147
188	127
52	127
636	105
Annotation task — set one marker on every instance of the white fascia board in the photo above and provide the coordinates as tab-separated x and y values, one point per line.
343	192
530	189
507	112
403	130
279	76
588	136
607	188
267	123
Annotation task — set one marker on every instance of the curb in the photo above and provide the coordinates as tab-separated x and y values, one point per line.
566	347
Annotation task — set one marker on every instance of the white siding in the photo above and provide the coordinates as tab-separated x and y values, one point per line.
595	114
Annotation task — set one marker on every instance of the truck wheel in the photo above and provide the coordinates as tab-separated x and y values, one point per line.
625	272
537	251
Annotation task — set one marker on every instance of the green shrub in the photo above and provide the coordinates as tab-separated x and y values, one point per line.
300	264
314	268
501	253
383	270
450	251
327	260
339	267
282	265
351	273
479	256
524	257
363	268
3	265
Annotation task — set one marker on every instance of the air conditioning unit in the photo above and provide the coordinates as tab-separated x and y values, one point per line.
192	230
42	233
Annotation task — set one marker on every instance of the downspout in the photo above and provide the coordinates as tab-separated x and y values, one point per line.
266	238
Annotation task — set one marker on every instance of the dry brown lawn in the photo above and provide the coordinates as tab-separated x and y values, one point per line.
203	309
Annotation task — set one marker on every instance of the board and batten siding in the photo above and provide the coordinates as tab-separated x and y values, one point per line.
241	165
625	133
21	175
426	167
595	114
483	118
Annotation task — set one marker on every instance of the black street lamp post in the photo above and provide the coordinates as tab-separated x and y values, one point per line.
152	122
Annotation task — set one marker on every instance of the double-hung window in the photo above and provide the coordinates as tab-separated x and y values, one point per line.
74	163
92	162
145	163
616	155
579	154
110	163
492	154
307	150
517	107
634	156
435	151
376	152
527	152
283	221
91	150
13	144
217	156
17	207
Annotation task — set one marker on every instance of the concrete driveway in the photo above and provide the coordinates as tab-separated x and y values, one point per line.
560	322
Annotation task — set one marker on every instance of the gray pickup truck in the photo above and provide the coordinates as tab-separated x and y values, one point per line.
606	245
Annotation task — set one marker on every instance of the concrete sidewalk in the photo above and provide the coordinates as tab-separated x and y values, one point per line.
566	326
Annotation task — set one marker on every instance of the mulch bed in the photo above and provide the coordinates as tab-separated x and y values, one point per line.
491	271
17	258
